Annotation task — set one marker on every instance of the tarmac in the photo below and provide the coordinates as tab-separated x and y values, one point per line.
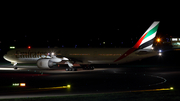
156	73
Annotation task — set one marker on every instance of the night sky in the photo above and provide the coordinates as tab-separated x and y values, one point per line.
87	25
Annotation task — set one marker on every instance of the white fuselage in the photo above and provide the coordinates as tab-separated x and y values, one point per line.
78	55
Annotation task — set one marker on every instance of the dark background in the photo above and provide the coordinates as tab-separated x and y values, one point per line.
83	24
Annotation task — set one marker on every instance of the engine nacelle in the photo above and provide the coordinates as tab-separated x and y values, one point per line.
44	64
47	63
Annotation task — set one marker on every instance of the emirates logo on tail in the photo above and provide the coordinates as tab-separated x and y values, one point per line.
145	42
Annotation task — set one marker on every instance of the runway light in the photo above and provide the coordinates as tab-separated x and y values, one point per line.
68	86
22	84
171	88
160	51
59	87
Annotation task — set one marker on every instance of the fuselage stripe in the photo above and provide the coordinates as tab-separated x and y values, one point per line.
126	54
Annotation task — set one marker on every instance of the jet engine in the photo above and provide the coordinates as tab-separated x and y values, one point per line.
48	63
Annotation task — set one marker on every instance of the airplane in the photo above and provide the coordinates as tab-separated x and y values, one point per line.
46	58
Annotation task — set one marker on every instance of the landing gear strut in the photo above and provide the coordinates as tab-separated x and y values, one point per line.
71	68
14	64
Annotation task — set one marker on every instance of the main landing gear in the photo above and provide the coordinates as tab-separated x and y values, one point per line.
84	68
71	69
88	67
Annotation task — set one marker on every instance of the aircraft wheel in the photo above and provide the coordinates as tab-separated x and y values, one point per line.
70	69
92	67
85	68
88	68
74	69
67	69
15	68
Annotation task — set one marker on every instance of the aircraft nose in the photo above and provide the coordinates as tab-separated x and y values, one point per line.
6	57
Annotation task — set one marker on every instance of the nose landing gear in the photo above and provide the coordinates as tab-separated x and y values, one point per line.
15	68
14	64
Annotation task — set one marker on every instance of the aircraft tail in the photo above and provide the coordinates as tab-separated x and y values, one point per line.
146	41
